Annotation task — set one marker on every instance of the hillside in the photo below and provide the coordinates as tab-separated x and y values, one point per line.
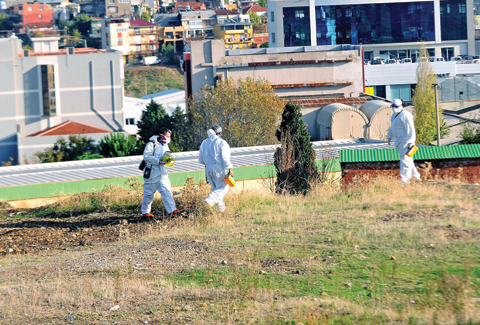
158	77
381	254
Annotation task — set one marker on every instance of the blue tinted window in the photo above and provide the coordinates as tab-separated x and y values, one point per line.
375	23
296	26
453	19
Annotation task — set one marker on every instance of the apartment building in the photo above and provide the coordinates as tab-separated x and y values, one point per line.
116	34
43	90
198	23
32	15
235	35
143	38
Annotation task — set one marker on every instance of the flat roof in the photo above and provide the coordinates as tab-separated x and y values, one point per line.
184	161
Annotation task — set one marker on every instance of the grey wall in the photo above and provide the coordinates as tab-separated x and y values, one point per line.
88	87
459	89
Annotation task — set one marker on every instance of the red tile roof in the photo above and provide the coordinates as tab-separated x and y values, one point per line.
140	23
260	39
254	8
67	128
313	102
195	6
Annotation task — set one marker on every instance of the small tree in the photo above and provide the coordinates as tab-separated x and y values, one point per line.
424	101
63	150
153	118
254	18
117	145
248	111
145	16
264	45
182	138
470	133
295	159
167	52
262	3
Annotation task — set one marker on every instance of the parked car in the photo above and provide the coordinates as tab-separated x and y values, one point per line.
456	59
406	60
149	60
366	62
435	59
475	57
476	61
392	61
378	61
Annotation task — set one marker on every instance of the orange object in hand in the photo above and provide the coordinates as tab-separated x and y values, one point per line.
230	180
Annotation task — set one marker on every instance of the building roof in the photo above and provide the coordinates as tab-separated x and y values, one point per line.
81	50
195	6
314	102
69	127
189	40
222	12
140	23
423	153
254	8
260	39
184	162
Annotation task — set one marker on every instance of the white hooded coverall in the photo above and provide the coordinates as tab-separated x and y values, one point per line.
158	179
402	132
215	155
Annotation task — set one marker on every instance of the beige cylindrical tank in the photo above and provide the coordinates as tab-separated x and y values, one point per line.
339	121
379	114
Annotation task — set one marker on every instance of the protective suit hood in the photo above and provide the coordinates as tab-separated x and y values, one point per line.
153	138
211	134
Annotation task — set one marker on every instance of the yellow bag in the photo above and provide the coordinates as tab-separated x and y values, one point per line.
412	150
230	181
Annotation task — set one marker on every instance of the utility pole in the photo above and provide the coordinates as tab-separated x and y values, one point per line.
435	87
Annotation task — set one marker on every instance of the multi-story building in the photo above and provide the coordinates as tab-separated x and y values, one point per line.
107	8
235	35
172	35
198	23
143	38
116	34
43	90
385	28
33	15
235	15
189	6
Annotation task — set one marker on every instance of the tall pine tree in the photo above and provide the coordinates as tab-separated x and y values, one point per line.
295	159
153	118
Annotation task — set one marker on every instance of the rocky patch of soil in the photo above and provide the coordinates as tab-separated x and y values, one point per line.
423	213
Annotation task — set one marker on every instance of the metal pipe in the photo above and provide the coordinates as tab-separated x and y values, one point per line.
435	87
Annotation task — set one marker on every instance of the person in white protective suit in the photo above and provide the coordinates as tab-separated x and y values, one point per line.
402	132
215	155
158	180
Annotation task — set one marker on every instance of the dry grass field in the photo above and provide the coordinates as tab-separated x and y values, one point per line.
380	254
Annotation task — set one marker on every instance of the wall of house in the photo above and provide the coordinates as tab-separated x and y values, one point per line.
88	90
465	170
40	13
286	69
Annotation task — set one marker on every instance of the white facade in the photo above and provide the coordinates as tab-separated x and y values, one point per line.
133	107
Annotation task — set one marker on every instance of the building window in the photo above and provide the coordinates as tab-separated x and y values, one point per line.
48	90
272	14
136	30
39	16
120	40
130	121
453	23
41	7
113	9
138	48
299	14
366	23
111	1
273	38
29	8
151	47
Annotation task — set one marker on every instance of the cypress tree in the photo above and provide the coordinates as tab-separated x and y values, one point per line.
153	118
295	159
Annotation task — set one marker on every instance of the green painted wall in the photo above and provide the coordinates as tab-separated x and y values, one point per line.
23	192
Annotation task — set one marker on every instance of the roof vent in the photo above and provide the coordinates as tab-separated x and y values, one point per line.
70	50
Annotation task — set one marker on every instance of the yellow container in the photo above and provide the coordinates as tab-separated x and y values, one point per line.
412	151
230	181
